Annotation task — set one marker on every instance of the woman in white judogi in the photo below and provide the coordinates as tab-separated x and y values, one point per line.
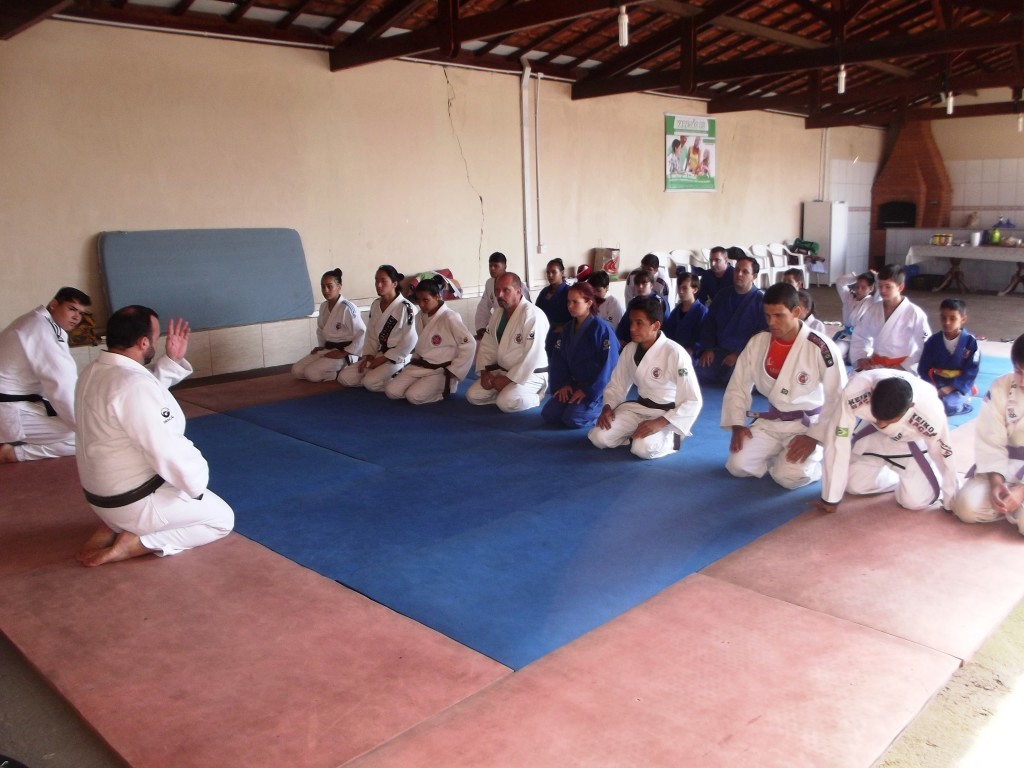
996	492
811	373
390	336
443	355
339	334
668	395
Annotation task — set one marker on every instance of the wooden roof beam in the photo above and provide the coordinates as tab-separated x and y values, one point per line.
18	15
929	43
480	26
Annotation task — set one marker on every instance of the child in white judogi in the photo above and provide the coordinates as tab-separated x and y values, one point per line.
668	395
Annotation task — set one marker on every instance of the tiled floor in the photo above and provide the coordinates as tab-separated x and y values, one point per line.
813	646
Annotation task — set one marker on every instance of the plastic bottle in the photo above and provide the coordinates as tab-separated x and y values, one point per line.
996	237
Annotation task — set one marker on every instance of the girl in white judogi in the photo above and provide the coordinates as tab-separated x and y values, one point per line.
668	395
390	336
893	331
443	355
786	439
996	492
339	334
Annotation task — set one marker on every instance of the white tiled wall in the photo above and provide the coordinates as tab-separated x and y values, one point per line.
993	188
850	181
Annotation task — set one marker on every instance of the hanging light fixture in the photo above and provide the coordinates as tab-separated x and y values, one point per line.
623	27
949	102
841	85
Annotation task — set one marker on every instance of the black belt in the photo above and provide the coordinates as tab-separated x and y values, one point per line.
336	344
448	375
420	362
128	497
29	399
651	404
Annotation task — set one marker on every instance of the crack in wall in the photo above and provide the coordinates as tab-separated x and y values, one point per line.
465	163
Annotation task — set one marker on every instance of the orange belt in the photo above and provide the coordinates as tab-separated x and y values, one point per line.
888	362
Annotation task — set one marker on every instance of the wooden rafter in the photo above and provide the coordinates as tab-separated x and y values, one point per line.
18	15
481	26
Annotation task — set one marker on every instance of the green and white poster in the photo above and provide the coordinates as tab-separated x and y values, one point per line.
690	153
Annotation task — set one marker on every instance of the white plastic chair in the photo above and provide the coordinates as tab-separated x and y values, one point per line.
781	255
769	272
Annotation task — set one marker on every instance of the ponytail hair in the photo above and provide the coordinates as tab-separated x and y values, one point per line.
335	273
393	274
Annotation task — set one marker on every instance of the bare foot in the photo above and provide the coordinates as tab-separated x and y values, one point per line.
125	547
7	454
102	538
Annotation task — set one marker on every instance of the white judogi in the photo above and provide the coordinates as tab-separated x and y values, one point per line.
489	303
665	376
902	335
813	373
130	428
884	461
999	429
341	325
391	332
35	360
611	310
441	338
815	324
519	354
853	310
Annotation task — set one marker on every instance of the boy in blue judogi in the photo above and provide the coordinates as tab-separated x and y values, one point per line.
950	358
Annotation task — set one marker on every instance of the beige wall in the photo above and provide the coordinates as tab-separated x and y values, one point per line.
403	163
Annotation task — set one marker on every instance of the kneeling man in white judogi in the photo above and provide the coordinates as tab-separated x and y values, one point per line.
144	479
798	370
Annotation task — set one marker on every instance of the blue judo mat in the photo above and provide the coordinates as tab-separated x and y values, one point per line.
507	535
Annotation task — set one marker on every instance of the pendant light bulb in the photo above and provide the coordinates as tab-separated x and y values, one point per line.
841	86
949	103
623	27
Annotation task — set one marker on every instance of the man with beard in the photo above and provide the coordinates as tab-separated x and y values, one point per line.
141	475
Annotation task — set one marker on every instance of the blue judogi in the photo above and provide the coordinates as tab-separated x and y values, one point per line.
554	304
622	329
683	327
731	320
957	370
711	285
583	359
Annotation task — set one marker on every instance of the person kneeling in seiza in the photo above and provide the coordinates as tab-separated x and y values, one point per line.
996	491
887	431
144	479
798	370
668	395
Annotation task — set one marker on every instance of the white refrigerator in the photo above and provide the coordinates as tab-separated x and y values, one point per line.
826	223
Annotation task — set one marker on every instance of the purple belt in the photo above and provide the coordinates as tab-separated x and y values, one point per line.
774	414
1015	452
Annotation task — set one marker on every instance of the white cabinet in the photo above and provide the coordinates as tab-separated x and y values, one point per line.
827	224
